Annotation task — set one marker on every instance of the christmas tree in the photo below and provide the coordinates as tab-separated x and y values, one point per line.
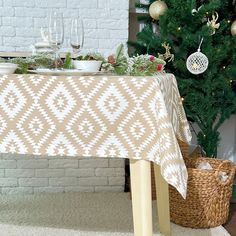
209	98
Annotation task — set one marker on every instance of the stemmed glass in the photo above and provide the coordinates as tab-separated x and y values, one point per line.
56	34
77	35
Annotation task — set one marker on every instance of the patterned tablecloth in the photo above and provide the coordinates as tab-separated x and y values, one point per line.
126	117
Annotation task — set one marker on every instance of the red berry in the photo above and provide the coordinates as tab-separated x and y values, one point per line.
159	67
151	58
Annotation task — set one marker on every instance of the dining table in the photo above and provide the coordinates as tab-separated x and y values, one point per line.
103	116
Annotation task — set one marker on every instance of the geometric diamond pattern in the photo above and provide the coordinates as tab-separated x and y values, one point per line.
112	103
61	146
86	129
136	127
13	144
104	116
60	102
12	100
36	127
112	147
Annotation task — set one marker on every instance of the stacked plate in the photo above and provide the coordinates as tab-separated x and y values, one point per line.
42	47
7	68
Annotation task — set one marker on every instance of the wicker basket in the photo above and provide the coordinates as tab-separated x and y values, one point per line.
207	202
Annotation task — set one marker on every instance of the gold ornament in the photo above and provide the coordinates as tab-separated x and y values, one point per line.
157	9
212	23
233	28
167	54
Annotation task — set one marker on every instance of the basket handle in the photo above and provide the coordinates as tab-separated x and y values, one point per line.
231	174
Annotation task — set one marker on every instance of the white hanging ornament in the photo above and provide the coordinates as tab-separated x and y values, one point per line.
197	62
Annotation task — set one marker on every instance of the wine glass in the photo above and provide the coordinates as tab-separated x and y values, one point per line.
77	35
56	33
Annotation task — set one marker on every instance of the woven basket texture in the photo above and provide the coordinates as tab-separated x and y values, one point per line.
208	197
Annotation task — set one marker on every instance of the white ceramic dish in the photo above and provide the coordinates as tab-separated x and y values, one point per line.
91	65
65	72
7	68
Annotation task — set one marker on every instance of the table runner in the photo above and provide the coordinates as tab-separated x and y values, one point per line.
96	116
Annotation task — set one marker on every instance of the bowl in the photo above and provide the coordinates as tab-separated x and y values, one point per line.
90	66
7	68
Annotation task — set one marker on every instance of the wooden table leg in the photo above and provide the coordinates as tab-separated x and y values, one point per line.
140	175
162	192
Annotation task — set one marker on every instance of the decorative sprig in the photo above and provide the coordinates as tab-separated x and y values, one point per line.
33	62
145	65
120	64
68	61
91	56
141	65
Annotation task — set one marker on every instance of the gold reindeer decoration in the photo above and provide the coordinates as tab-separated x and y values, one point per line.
167	54
212	23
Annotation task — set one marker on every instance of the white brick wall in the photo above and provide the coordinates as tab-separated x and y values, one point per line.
106	22
106	26
29	174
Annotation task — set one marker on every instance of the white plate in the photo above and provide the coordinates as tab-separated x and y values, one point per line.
65	72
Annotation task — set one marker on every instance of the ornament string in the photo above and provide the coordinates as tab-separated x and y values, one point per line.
199	47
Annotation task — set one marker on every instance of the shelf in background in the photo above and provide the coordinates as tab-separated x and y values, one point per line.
22	54
15	54
138	11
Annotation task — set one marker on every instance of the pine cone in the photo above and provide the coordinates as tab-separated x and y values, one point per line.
58	63
111	59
